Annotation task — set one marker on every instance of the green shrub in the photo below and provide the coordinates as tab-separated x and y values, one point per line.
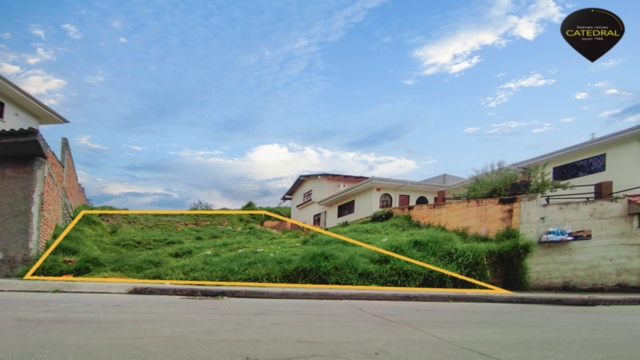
381	215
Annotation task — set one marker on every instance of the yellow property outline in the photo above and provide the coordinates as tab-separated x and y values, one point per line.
29	276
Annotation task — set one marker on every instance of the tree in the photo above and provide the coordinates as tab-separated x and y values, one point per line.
201	205
493	180
541	181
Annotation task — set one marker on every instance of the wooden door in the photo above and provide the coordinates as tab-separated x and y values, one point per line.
404	200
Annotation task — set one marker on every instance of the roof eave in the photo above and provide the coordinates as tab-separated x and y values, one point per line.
44	114
604	139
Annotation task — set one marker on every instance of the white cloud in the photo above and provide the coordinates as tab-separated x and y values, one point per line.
580	96
500	97
408	82
534	80
501	75
275	161
611	62
566	120
38	82
72	31
601	84
38	31
41	54
610	112
511	87
134	147
116	24
545	127
455	53
262	174
615	92
94	79
501	128
95	185
123	40
84	141
8	69
196	153
6	36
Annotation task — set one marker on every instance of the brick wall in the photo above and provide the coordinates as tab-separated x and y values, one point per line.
18	230
481	216
73	189
61	192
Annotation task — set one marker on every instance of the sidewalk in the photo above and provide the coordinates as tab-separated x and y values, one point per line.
575	299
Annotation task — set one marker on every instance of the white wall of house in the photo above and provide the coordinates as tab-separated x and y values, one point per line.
609	259
622	165
16	117
368	201
395	193
305	212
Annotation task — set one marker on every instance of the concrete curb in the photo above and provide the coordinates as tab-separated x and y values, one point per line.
571	299
551	299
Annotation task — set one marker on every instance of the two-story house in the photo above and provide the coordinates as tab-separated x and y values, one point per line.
326	200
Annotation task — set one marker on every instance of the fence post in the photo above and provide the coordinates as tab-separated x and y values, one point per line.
603	190
440	198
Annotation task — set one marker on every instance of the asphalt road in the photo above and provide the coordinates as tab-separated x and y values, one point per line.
82	326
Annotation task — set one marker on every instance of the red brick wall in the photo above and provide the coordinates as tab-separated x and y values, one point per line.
61	192
72	188
52	206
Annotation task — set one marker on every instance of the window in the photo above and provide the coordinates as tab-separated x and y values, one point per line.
386	201
347	208
307	196
422	200
316	219
584	167
1	110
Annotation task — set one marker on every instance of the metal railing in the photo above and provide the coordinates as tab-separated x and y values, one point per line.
591	195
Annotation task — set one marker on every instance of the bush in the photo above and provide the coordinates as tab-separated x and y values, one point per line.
381	215
491	181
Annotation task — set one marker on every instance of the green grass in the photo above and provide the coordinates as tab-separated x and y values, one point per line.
234	248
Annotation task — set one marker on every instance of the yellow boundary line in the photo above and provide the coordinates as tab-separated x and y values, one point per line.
29	276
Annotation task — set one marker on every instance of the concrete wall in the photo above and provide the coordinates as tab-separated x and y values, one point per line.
15	117
482	216
610	259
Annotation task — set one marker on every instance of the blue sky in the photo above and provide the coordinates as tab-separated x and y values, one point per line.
229	101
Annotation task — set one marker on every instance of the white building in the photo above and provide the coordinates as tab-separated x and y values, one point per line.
19	110
614	157
326	200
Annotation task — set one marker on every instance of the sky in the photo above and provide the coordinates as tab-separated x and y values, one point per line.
171	102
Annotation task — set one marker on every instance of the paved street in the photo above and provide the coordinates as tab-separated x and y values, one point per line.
84	326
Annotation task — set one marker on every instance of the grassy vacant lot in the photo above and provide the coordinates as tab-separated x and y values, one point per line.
236	248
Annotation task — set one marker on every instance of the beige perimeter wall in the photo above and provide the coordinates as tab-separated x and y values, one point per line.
481	216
